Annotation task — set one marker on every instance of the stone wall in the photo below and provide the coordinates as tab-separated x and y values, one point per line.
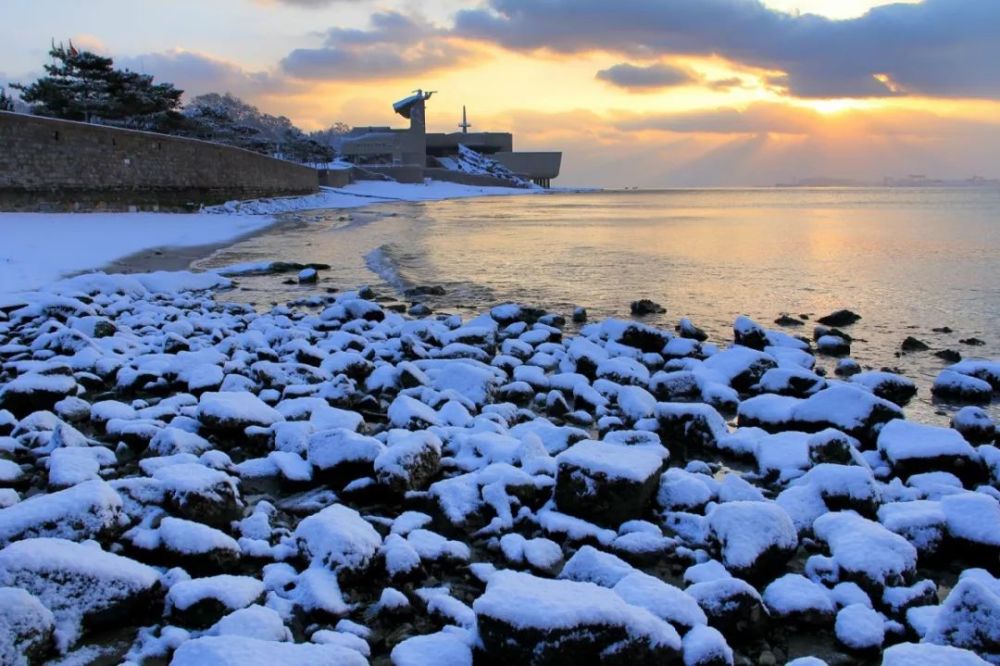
48	164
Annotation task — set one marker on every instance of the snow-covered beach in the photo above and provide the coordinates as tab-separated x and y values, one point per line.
39	248
352	477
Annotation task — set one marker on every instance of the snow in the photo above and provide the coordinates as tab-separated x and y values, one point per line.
338	537
24	622
859	627
706	645
524	601
661	599
794	593
252	622
192	538
72	579
233	592
244	651
902	440
972	516
444	647
925	654
236	408
746	530
614	462
863	547
594	566
83	511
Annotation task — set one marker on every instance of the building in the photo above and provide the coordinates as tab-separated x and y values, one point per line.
382	147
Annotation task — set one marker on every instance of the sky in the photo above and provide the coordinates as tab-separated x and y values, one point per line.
647	93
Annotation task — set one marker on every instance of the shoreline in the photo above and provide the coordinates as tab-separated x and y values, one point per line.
142	242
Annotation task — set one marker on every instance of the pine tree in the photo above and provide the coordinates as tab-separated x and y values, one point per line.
6	101
80	85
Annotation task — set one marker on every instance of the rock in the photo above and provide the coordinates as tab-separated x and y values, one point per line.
34	392
201	602
887	385
731	605
199	493
85	587
233	412
419	310
847	367
741	367
308	276
191	545
968	618
644	307
859	629
914	448
443	647
339	455
839	318
706	646
579	315
409	462
241	651
661	599
689	427
912	344
866	552
975	425
755	538
89	510
951	385
688	330
606	483
785	320
749	333
338	538
26	628
972	342
911	654
833	345
949	355
524	619
795	598
921	522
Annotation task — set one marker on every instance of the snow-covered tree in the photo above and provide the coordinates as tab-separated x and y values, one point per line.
81	85
6	101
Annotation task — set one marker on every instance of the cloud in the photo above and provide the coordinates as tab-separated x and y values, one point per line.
636	77
396	45
197	73
762	117
936	48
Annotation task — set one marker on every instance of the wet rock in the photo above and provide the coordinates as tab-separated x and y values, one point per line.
888	385
308	276
688	330
975	425
839	318
912	344
579	315
972	342
644	307
785	320
951	385
606	483
749	333
949	355
833	345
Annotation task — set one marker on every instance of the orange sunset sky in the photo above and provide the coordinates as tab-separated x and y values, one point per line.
635	92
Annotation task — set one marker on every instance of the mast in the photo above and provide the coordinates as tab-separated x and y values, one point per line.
465	123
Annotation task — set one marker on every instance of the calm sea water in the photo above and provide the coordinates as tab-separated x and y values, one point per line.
907	260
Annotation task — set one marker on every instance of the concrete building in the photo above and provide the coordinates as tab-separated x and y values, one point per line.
390	150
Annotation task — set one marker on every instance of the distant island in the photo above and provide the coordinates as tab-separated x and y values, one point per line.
914	180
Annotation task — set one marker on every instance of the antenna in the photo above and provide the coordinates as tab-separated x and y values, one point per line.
465	123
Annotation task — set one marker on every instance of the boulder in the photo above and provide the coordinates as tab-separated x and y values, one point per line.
755	538
26	628
606	483
523	619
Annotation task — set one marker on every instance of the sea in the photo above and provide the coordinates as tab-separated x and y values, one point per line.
908	260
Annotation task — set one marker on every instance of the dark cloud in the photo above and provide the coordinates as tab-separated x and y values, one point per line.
937	47
650	77
395	45
197	74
